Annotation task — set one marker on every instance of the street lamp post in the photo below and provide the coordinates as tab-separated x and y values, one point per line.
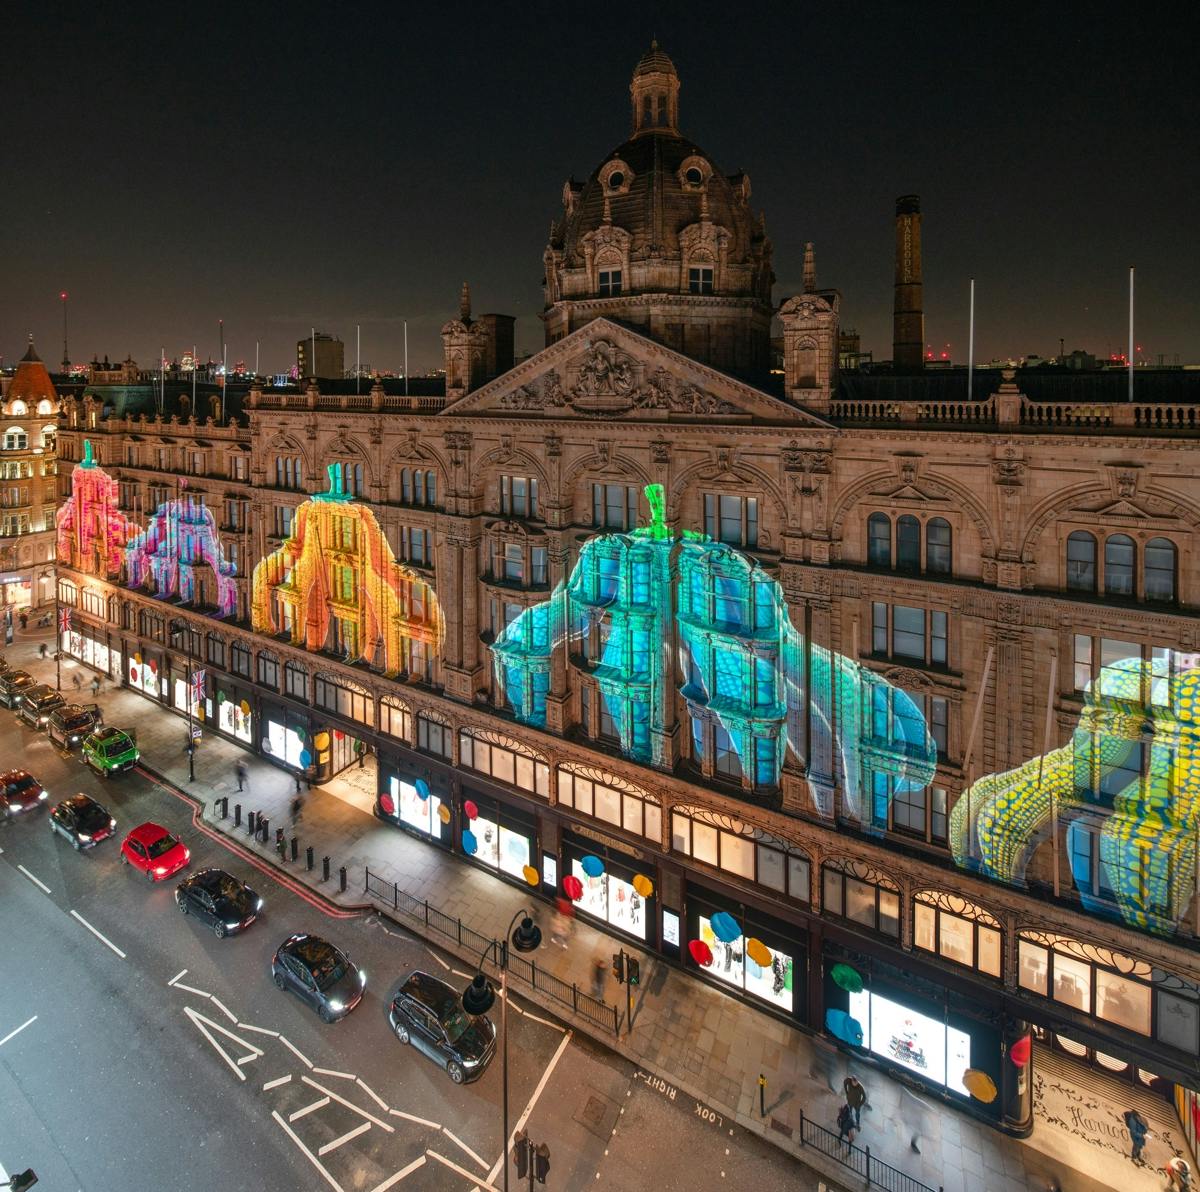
182	627
479	997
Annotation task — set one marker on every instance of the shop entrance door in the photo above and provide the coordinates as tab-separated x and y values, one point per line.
341	750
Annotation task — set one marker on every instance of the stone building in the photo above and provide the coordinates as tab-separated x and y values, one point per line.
28	488
901	682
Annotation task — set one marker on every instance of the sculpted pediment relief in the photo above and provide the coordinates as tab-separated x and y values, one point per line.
910	493
604	370
1122	508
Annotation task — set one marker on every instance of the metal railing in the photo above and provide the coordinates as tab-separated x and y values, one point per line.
858	1159
567	994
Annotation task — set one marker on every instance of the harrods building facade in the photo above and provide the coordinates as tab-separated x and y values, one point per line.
806	651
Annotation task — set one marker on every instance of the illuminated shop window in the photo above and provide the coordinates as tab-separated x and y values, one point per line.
745	851
339	697
395	719
957	930
606	797
239	660
433	736
850	890
505	760
215	650
268	671
295	679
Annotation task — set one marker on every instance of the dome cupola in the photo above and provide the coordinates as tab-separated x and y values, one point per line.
654	91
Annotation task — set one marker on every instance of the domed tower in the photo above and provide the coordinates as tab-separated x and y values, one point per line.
660	239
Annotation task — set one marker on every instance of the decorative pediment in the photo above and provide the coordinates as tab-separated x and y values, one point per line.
1123	509
604	370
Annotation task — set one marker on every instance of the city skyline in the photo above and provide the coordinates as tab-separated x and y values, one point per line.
401	209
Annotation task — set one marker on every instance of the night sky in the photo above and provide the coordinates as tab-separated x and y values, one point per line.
342	164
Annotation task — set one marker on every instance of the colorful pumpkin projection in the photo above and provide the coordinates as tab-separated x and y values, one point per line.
91	529
335	584
1130	774
744	664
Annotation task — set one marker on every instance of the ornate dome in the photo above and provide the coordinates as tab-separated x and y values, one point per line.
657	217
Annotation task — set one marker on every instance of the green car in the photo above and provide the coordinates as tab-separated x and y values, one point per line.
110	751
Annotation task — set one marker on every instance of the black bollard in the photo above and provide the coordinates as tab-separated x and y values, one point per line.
295	849
252	824
308	856
237	815
224	806
325	869
342	879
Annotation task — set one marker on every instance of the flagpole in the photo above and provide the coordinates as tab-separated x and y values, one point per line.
406	365
1131	333
971	344
358	361
195	366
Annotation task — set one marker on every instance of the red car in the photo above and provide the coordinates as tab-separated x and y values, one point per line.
22	790
153	850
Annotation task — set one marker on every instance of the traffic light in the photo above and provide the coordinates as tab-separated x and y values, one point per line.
541	1163
632	971
26	1179
521	1154
618	967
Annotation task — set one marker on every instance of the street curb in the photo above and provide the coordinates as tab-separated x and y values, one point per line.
581	1025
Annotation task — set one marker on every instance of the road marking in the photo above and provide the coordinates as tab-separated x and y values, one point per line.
537	1092
337	1142
555	1026
193	989
225	1010
77	915
366	1088
274	1084
319	1103
258	1030
181	973
41	885
476	1180
296	1052
455	1139
308	1154
331	1072
456	972
402	1174
438	959
412	1117
202	1024
19	1029
349	1104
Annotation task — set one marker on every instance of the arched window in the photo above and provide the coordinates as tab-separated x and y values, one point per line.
45	406
806	364
908	543
938	556
15	439
1081	562
18	409
352	478
879	540
49	432
1159	570
1120	563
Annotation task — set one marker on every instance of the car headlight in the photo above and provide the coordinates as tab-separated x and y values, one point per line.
74	740
362	976
259	906
336	1005
42	795
84	836
466	1063
112	823
231	926
160	869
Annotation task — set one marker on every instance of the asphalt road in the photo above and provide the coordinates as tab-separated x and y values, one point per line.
148	1053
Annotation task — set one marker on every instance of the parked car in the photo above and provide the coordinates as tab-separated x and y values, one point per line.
14	684
82	820
22	790
36	704
220	900
319	974
69	724
110	751
429	1014
152	850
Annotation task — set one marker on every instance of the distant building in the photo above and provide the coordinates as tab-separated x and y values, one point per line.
321	355
28	486
101	372
850	353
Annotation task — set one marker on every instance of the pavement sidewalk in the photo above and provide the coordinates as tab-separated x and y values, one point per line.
704	1043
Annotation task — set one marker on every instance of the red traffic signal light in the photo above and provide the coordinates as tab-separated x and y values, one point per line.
541	1163
618	967
521	1154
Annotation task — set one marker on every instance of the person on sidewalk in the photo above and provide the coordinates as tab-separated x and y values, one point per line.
360	751
599	970
42	650
856	1098
297	808
95	686
24	619
77	681
916	1115
845	1124
824	1064
1179	1172
243	775
1139	1131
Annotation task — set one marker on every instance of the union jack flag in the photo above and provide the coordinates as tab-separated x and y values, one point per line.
198	686
64	619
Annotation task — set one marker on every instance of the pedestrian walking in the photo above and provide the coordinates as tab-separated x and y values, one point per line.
599	969
243	775
360	750
1179	1172
845	1124
42	649
297	784
1139	1131
297	808
916	1115
24	619
564	922
95	686
856	1098
77	681
824	1065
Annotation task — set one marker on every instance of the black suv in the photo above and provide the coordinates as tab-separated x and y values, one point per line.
429	1014
14	684
320	974
218	899
69	724
36	704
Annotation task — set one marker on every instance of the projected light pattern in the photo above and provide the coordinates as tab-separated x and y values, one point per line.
742	660
334	584
91	529
182	535
1128	779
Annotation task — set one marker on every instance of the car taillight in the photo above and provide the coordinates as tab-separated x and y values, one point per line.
387	804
